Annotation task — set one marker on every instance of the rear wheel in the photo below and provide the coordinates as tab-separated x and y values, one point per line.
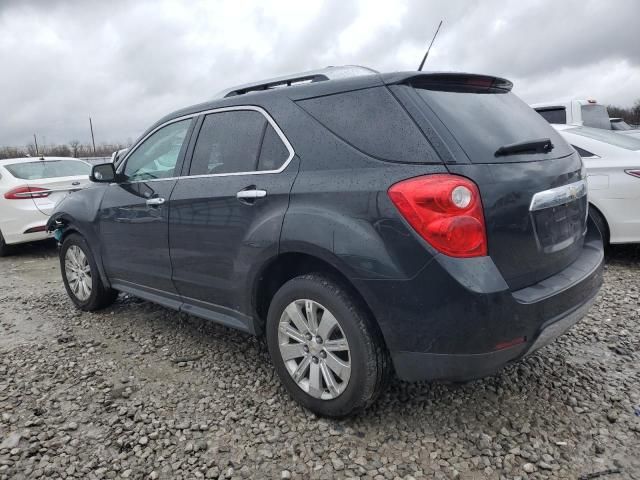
81	277
324	347
4	248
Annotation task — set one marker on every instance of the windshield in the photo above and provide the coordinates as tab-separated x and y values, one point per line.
623	141
620	125
48	169
484	122
596	116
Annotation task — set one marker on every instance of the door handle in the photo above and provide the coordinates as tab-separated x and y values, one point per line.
251	194
154	202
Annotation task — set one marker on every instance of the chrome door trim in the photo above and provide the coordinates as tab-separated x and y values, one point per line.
558	196
254	108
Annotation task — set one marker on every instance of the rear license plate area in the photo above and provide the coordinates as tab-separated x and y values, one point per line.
559	226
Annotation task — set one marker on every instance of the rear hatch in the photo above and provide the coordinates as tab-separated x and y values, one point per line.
530	179
51	180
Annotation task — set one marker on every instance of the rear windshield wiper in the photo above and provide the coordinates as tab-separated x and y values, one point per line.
541	145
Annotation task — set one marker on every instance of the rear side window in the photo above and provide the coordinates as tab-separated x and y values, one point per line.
236	142
372	121
482	121
273	153
554	115
48	169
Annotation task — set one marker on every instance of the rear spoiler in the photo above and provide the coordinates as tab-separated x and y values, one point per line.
450	81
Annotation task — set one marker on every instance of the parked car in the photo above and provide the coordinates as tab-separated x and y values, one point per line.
587	113
427	224
613	169
619	124
29	190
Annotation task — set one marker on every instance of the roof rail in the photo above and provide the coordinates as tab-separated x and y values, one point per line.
323	74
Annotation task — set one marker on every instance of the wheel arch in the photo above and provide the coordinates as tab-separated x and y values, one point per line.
291	264
70	226
606	235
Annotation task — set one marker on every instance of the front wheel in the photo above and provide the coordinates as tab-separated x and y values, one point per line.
324	346
81	277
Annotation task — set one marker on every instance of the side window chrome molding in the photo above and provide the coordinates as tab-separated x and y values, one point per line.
236	108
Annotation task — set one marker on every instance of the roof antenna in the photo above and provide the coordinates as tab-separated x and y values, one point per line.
428	49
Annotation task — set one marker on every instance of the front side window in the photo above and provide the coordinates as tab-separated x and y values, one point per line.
48	169
236	142
157	156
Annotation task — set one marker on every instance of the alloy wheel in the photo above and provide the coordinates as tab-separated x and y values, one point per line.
314	349
78	272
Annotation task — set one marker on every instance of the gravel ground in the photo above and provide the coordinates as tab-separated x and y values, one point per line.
138	391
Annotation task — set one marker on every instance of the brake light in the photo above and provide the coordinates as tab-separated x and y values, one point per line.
445	210
635	173
20	193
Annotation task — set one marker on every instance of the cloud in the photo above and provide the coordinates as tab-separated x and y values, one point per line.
128	63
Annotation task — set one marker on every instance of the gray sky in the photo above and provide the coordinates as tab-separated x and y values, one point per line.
129	63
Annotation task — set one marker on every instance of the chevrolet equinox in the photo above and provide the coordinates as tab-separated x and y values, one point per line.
430	225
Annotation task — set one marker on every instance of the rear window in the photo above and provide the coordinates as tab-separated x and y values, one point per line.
615	139
48	169
372	121
554	115
484	120
596	116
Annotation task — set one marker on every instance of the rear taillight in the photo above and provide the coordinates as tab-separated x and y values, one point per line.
446	211
20	193
634	173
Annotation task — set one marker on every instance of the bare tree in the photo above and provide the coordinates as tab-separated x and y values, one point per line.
74	144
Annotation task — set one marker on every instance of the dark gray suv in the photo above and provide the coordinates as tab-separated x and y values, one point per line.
427	224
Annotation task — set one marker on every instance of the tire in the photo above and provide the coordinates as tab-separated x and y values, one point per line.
4	248
601	223
75	253
366	356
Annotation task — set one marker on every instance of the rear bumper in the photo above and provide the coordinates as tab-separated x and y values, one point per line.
13	232
416	366
452	321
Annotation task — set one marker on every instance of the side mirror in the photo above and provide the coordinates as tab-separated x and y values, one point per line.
103	173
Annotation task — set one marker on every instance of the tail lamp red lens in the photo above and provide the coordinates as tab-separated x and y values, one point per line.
634	173
20	193
446	211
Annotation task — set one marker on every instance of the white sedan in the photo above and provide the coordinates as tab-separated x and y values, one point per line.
29	190
613	171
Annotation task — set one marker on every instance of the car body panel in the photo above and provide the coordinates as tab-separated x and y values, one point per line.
216	238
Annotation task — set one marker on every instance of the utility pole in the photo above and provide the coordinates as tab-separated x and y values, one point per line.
93	141
35	140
